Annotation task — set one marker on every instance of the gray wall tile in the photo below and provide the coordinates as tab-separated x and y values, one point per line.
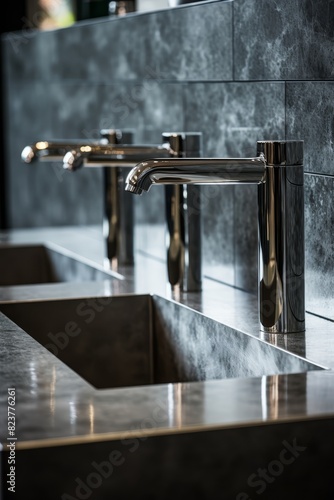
232	117
258	114
43	193
194	43
309	116
217	205
282	40
319	244
246	237
163	112
205	111
27	115
102	52
28	55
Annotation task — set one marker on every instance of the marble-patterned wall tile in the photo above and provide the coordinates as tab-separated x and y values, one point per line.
73	52
309	116
75	113
103	51
28	115
218	258
232	117
319	244
281	40
146	107
79	110
28	55
205	111
149	108
48	195
246	237
259	114
163	108
194	43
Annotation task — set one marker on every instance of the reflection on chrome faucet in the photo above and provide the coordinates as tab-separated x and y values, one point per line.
278	171
182	213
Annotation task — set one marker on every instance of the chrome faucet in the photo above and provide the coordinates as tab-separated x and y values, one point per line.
278	171
118	228
54	150
182	214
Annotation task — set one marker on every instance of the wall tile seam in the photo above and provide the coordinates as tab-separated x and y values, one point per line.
319	316
109	81
285	109
317	174
307	80
233	44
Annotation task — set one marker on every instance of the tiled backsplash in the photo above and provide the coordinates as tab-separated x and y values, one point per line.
238	71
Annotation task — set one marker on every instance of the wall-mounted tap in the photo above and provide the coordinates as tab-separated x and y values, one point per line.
278	171
182	202
54	150
118	228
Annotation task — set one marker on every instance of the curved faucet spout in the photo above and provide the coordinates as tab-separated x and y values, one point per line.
195	171
52	150
118	227
278	171
108	155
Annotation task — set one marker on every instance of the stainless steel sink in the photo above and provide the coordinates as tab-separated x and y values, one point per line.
141	339
38	264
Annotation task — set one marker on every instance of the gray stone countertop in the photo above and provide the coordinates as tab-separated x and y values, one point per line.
56	406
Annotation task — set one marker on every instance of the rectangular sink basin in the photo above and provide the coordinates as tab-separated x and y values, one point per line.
39	264
136	340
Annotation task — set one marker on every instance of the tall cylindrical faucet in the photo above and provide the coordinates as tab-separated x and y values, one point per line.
278	171
118	227
181	201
